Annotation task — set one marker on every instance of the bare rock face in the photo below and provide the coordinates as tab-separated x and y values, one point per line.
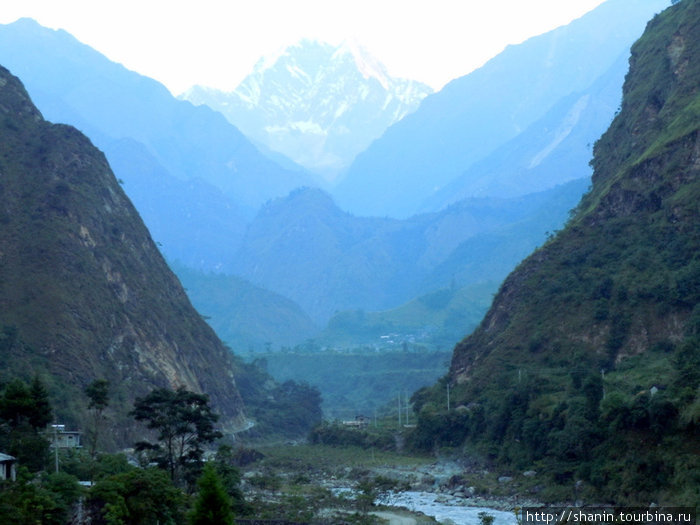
84	291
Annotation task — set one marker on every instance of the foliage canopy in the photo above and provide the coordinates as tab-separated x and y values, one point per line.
184	423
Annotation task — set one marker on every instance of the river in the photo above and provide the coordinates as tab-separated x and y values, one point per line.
445	512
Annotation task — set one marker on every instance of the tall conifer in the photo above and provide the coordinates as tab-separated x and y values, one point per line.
213	505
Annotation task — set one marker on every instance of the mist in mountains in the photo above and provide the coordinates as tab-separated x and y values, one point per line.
475	114
199	183
317	104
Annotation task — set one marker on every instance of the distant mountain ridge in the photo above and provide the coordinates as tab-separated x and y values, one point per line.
306	248
553	150
84	292
303	246
475	114
318	104
138	122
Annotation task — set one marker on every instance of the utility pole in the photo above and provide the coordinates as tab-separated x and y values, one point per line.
55	446
399	409
406	406
55	443
448	396
602	380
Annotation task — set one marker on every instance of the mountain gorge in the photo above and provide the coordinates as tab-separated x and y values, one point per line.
84	291
572	284
303	247
585	367
318	104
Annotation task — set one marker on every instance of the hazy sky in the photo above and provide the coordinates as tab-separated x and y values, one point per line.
216	42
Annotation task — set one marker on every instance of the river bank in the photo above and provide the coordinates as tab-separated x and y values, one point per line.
453	493
456	484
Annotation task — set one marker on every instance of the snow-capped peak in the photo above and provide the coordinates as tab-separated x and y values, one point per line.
319	104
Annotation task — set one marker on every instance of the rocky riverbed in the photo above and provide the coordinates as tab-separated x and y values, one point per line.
333	479
457	484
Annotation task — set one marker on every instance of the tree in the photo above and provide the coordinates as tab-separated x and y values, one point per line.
16	403
98	394
21	404
38	499
41	413
213	505
184	422
24	411
225	465
136	497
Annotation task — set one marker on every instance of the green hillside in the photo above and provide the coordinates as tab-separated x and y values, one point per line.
587	366
247	318
84	292
359	381
434	321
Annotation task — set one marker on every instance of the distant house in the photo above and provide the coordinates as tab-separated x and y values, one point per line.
62	438
358	422
8	467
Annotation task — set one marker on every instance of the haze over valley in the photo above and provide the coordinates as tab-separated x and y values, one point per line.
215	203
500	274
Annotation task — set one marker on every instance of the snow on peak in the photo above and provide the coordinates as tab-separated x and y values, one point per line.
366	64
318	103
268	61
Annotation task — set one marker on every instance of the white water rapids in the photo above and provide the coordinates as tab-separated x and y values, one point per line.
444	512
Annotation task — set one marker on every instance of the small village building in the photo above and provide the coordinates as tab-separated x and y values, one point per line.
358	422
8	467
62	438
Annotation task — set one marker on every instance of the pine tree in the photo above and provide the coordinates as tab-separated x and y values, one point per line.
41	414
213	505
26	404
24	412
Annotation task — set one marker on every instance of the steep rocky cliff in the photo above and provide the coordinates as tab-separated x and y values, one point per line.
84	291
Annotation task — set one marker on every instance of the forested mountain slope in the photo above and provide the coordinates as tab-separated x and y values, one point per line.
587	366
305	248
84	292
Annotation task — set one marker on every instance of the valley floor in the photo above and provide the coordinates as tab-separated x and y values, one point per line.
398	488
